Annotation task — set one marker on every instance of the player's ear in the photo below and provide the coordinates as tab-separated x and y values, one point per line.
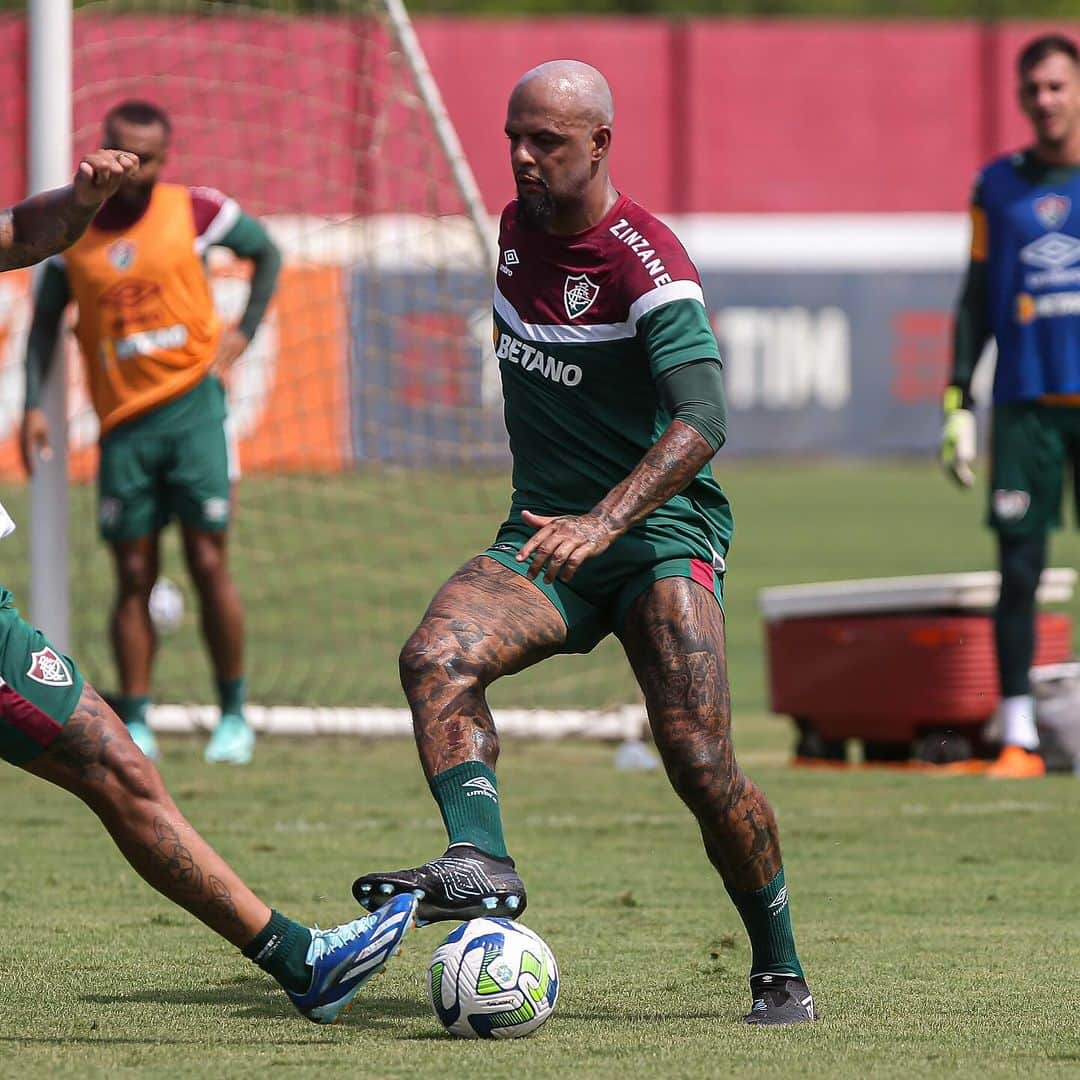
601	142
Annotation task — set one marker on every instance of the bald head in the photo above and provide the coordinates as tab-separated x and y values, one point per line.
573	88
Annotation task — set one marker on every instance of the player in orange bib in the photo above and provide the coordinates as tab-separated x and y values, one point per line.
155	350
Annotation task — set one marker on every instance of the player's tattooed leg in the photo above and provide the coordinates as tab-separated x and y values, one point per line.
82	746
94	758
674	639
486	621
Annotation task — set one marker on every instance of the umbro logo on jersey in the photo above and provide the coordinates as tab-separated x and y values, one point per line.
1052	210
578	294
510	258
1052	252
481	786
47	668
779	902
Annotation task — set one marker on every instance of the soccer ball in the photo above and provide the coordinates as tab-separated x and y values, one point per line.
166	605
493	979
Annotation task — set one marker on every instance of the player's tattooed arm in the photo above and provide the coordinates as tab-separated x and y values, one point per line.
561	544
44	224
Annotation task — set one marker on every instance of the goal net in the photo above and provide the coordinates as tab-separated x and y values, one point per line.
367	408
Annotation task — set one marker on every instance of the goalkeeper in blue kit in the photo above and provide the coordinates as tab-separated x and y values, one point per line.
1023	289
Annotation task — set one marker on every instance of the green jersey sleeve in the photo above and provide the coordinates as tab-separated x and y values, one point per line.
675	334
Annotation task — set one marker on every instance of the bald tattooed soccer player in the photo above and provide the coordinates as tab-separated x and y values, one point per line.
614	405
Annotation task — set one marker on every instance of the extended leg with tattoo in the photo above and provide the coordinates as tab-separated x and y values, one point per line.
94	758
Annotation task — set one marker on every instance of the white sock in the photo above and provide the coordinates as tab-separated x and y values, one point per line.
1017	716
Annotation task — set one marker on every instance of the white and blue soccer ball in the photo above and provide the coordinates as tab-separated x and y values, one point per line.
493	979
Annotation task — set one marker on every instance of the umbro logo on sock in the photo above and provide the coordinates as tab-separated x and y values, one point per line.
481	786
779	901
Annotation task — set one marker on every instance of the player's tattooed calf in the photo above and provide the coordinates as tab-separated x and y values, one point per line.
171	857
674	638
221	907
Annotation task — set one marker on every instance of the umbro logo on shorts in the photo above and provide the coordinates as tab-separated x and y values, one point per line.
47	668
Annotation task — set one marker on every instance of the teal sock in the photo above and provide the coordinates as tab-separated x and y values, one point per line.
468	798
133	709
280	949
767	918
232	693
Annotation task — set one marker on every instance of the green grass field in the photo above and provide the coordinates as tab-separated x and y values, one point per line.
336	571
937	917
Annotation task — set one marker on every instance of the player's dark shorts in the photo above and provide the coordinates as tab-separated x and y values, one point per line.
1033	447
176	461
595	602
39	687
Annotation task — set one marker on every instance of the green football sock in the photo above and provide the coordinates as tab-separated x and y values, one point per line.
133	709
280	949
767	918
232	693
468	798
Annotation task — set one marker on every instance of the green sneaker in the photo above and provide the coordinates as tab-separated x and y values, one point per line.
232	743
144	738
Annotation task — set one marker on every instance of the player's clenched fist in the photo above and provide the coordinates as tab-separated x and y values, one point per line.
100	173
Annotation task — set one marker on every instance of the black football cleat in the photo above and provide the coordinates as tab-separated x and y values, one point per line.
463	883
780	999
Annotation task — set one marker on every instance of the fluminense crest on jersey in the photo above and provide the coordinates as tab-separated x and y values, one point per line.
47	668
121	254
578	294
1052	210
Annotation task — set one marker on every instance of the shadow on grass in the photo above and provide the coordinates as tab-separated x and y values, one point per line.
251	999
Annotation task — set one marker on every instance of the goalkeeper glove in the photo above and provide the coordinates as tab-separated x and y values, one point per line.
958	441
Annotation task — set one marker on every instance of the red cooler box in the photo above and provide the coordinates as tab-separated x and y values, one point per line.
889	659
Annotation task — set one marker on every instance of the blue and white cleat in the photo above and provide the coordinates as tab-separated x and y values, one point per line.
144	738
345	957
232	743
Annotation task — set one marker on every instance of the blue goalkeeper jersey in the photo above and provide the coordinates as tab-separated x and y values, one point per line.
1026	227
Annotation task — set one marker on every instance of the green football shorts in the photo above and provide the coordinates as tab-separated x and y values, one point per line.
1031	445
39	687
595	602
178	461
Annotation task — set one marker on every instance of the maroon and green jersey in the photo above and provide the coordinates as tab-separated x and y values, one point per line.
584	325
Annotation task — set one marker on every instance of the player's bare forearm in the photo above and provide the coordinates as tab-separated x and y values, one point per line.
41	226
669	466
561	544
